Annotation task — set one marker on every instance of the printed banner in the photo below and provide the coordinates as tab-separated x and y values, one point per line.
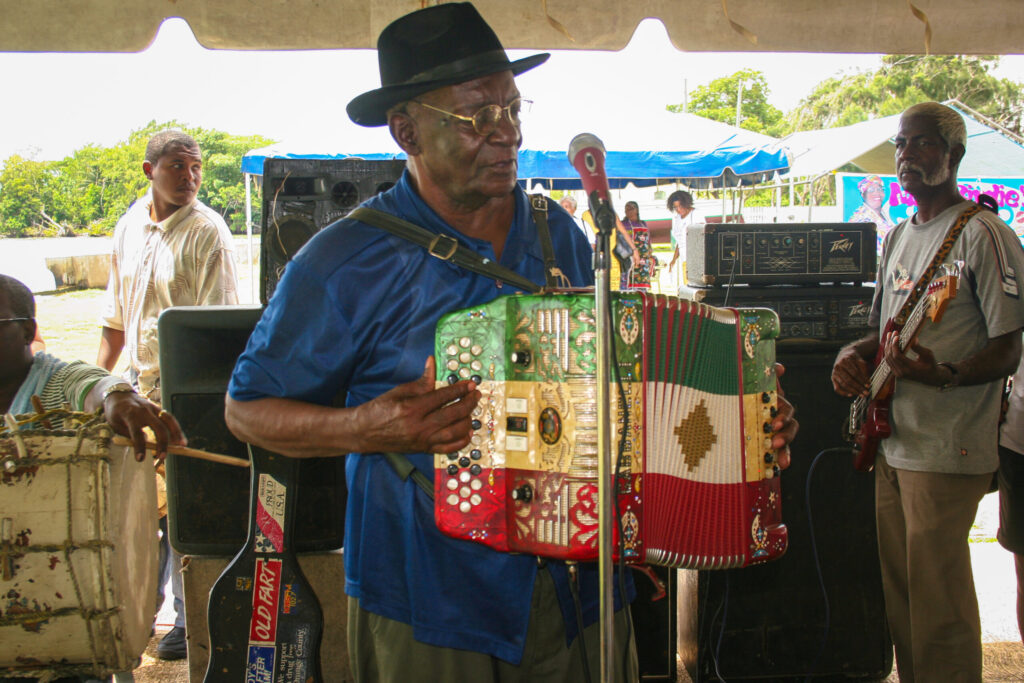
881	200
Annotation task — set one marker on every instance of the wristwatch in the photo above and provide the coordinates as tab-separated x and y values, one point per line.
116	387
954	376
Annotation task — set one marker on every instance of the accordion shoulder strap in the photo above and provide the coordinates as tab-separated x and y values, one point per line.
443	247
553	275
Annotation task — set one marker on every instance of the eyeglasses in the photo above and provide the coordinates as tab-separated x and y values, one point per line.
13	320
485	121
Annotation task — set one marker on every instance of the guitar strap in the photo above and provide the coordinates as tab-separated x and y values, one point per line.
926	277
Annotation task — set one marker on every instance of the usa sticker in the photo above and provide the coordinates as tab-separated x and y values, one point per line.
259	667
270	500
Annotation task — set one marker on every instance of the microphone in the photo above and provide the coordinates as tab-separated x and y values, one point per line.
587	155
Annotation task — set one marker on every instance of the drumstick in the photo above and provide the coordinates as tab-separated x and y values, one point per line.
189	452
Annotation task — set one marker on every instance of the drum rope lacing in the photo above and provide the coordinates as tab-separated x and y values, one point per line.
87	425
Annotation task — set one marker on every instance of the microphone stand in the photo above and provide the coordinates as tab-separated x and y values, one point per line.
604	222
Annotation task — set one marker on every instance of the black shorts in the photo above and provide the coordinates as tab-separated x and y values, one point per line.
1011	501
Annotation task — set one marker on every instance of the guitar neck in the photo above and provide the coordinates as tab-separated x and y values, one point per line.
880	377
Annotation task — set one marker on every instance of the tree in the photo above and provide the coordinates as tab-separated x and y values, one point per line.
24	194
717	101
91	189
904	80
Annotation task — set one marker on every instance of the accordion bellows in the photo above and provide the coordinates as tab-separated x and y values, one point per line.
694	393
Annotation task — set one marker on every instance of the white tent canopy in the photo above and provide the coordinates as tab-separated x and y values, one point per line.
868	26
868	145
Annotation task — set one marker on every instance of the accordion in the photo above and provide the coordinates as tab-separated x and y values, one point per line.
694	393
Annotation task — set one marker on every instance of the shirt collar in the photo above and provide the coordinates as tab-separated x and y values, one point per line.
522	239
169	223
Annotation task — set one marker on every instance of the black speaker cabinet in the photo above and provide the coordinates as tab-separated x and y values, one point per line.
654	624
303	196
773	621
208	503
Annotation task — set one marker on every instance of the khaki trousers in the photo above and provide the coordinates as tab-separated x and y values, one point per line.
382	649
924	519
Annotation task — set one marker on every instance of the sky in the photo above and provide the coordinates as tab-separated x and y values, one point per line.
56	103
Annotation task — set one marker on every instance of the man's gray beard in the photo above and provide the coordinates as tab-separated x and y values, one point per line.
938	177
935	178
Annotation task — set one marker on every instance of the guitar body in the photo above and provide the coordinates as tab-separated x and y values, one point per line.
875	428
869	418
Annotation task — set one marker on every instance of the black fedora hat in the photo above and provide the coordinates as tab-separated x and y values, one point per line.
429	49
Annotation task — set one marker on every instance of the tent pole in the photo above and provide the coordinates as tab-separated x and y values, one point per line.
248	232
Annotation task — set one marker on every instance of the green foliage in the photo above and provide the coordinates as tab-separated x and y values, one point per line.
24	193
717	101
904	80
88	191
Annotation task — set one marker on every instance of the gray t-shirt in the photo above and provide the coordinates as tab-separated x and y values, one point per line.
951	431
1011	432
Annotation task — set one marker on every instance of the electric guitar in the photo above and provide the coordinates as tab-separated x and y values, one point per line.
869	415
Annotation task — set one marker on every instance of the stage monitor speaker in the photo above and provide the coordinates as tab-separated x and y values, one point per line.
303	196
208	503
772	622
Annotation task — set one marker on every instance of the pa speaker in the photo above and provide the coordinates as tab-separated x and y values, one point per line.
779	621
303	196
208	503
654	624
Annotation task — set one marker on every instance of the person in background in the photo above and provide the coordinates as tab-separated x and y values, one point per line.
568	202
424	606
1011	485
644	264
936	466
169	249
680	204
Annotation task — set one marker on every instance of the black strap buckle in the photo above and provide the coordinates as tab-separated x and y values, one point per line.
449	249
539	202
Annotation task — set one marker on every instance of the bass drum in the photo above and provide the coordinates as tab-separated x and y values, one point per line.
78	553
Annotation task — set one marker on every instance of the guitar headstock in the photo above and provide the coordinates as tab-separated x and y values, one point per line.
942	289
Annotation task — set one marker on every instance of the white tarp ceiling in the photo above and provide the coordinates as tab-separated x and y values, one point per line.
869	26
869	146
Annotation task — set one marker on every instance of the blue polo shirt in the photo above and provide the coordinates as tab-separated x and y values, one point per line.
353	316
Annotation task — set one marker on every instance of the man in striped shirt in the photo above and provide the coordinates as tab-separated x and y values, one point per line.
85	387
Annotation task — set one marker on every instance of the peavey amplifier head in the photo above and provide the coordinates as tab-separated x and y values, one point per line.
780	254
303	196
829	313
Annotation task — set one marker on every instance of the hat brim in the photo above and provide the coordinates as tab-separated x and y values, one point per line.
370	109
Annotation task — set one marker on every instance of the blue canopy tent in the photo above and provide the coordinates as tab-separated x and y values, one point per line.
643	149
652	147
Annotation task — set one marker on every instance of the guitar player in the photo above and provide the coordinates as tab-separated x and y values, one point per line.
937	464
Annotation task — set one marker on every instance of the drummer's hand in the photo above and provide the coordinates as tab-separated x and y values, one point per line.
785	426
128	414
417	418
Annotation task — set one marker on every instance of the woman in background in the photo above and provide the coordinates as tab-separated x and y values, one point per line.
644	263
